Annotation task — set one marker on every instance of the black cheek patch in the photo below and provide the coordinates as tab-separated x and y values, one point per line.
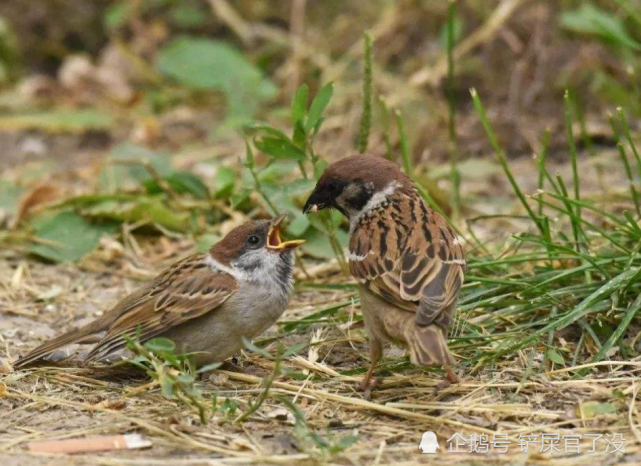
361	199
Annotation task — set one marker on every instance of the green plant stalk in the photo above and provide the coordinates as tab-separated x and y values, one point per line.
587	223
264	394
577	351
572	147
576	226
368	81
387	126
455	175
574	219
628	136
500	155
540	164
587	141
628	173
405	148
261	192
409	170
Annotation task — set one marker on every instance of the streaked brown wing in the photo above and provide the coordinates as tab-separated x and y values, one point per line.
410	257
185	291
432	273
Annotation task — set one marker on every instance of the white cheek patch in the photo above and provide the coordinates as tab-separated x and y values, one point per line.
216	266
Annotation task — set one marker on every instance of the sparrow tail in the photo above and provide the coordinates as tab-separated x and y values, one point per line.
80	336
428	345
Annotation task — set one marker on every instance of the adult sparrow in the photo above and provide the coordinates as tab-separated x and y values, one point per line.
408	261
205	303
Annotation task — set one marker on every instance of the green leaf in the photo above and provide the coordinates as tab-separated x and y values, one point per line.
186	182
182	183
115	175
282	196
589	19
255	349
209	367
132	208
318	244
186	378
204	242
555	357
166	386
210	65
279	148
299	104
225	182
160	345
591	409
320	167
294	349
258	126
9	196
318	106
346	442
66	236
249	155
60	121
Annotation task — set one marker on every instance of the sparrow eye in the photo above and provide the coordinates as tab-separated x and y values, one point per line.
253	240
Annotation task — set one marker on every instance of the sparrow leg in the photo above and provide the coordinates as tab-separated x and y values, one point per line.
450	375
375	353
450	378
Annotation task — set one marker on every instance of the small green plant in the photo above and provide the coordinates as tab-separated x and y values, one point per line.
174	372
279	147
281	354
227	409
324	447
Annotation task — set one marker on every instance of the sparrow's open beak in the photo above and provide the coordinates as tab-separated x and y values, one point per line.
274	242
313	204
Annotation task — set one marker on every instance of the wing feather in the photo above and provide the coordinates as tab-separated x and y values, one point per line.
408	255
183	292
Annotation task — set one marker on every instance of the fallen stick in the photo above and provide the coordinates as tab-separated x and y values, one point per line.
90	444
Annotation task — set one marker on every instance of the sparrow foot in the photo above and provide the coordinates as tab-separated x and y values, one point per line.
450	378
367	385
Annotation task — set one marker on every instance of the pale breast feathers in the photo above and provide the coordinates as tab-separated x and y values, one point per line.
408	255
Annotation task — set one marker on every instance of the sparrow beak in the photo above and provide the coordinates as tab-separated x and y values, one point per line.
274	243
313	204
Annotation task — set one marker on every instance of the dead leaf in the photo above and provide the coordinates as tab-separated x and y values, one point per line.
33	200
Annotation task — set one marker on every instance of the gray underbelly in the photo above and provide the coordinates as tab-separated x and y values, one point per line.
219	334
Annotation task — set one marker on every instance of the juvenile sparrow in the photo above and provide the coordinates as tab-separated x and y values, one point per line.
205	303
408	261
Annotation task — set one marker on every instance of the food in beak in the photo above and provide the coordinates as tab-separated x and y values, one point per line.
274	241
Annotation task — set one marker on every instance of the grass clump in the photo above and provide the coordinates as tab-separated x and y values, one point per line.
569	297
